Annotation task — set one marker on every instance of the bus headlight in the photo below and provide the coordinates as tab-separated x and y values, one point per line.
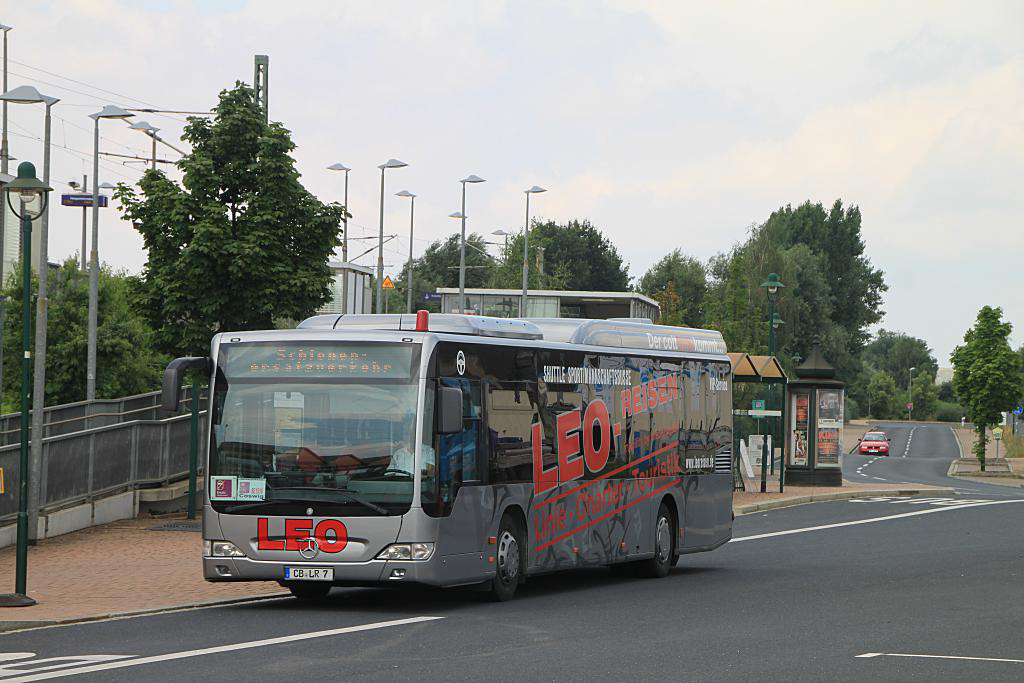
407	551
221	549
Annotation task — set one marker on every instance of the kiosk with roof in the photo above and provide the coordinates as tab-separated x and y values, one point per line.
814	436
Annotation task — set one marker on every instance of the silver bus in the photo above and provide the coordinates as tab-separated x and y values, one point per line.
452	450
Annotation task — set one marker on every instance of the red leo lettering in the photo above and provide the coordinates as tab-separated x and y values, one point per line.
627	402
294	529
263	541
652	394
663	390
596	458
569	446
673	388
334	543
543	479
638	400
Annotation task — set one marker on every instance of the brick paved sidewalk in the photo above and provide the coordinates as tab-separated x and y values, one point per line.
113	569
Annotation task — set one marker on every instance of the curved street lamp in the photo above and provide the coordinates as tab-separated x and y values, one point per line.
412	210
344	238
27	187
149	130
471	178
110	111
526	252
390	163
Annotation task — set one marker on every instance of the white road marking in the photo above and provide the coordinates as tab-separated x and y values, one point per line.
915	513
31	666
878	478
911	436
222	648
976	659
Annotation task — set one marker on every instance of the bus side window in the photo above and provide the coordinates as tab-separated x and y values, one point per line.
511	412
457	453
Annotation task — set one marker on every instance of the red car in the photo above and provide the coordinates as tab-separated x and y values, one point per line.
874	442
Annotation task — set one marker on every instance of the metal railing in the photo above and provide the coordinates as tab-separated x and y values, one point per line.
118	445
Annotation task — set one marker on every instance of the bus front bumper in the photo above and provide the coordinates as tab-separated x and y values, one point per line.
375	572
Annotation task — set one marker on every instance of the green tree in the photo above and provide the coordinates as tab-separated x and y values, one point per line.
679	284
896	353
241	242
883	397
126	360
573	256
987	374
439	267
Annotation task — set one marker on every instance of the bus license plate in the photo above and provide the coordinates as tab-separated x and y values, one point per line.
309	573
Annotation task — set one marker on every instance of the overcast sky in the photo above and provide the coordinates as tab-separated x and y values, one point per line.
667	124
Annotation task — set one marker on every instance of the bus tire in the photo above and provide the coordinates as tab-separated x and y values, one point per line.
509	560
309	591
664	544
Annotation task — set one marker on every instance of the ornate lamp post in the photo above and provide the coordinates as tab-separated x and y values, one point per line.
27	187
772	286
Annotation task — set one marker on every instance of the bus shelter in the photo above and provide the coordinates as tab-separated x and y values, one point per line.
759	409
815	427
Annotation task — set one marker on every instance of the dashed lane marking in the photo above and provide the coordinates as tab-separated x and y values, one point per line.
909	439
915	513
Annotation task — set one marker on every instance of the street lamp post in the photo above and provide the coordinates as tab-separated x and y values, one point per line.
108	112
910	395
28	187
151	131
771	286
526	250
412	211
471	178
390	163
26	94
344	239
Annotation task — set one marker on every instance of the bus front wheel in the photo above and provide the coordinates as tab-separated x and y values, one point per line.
509	561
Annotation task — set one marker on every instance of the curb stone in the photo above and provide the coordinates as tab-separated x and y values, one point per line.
11	626
838	495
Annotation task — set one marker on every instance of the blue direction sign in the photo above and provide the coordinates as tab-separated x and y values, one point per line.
81	200
431	296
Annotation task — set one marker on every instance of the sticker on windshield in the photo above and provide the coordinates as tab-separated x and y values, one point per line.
223	488
252	489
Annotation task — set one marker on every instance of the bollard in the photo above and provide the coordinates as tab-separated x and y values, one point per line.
193	452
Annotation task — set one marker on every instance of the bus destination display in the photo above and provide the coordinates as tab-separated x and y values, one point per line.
349	361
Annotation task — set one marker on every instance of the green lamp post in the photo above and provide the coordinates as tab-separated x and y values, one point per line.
28	188
772	286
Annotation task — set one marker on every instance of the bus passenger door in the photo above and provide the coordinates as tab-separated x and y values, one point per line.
463	527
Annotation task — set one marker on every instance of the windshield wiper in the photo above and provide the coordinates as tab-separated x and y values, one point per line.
320	489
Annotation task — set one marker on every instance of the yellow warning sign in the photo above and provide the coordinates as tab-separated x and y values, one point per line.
387	284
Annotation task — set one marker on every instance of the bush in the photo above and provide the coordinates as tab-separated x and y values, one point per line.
946	411
1013	443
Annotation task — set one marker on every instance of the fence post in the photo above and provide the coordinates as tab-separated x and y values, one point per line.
193	452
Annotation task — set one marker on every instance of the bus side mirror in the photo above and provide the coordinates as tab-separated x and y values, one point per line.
170	398
449	410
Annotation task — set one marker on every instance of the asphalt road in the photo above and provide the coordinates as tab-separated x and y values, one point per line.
919	453
830	591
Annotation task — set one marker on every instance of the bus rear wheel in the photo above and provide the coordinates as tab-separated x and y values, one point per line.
310	591
509	561
664	544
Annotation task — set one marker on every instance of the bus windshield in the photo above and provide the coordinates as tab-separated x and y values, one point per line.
331	425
